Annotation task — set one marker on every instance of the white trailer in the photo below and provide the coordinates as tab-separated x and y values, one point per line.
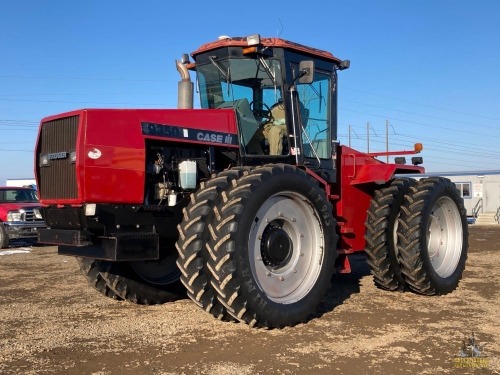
31	182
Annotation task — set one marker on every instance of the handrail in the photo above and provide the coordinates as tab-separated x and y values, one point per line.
477	207
497	215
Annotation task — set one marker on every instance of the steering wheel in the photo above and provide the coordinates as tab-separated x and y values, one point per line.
263	115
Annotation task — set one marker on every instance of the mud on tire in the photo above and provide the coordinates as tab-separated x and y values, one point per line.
193	236
381	239
273	247
433	237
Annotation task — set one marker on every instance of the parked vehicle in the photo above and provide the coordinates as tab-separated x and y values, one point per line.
20	215
254	191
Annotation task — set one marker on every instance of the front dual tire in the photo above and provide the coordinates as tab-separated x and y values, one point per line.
273	248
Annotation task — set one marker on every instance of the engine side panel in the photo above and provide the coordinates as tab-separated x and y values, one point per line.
111	153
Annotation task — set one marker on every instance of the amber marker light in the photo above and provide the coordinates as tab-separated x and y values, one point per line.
418	147
248	50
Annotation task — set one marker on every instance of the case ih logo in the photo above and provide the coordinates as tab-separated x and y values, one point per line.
57	155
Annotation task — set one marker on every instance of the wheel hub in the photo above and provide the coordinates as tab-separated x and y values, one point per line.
276	247
286	247
159	272
444	237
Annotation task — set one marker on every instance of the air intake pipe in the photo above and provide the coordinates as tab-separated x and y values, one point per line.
185	87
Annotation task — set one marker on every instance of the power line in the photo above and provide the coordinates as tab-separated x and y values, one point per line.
81	94
421	115
75	102
423	105
85	79
439	148
171	81
445	158
3	150
421	124
466	145
420	137
25	121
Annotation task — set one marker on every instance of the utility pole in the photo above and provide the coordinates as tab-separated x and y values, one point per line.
368	136
349	135
387	138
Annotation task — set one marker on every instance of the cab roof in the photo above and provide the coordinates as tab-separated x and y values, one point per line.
267	42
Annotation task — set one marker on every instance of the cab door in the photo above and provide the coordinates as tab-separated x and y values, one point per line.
316	102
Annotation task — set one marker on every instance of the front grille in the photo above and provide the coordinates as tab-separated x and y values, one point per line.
29	216
58	179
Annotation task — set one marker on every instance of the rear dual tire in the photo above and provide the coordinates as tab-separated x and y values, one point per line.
417	236
433	237
381	234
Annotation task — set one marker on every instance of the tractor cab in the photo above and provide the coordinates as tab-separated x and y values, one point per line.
284	96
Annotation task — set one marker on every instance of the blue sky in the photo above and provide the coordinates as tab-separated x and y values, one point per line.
428	67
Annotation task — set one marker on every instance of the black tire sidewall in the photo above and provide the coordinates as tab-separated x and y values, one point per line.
443	285
383	247
395	210
286	182
4	237
129	283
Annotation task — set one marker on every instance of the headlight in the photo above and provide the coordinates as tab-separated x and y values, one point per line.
14	216
90	209
44	160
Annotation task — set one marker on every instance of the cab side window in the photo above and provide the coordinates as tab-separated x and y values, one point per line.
314	102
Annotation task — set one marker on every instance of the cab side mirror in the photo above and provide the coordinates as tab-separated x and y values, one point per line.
306	71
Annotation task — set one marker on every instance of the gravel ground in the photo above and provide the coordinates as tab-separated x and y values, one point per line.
53	322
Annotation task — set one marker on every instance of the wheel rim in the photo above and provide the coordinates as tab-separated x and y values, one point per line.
395	234
445	237
158	272
286	247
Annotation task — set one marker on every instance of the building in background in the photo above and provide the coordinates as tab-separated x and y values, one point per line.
27	182
480	191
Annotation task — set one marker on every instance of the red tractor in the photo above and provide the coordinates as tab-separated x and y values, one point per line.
249	203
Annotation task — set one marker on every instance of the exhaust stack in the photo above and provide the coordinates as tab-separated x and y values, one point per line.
185	86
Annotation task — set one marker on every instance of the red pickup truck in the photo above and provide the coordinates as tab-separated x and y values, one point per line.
20	214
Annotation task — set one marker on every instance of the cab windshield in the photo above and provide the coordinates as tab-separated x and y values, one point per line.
225	80
18	195
253	87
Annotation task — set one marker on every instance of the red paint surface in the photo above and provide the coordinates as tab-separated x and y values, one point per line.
359	176
118	174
